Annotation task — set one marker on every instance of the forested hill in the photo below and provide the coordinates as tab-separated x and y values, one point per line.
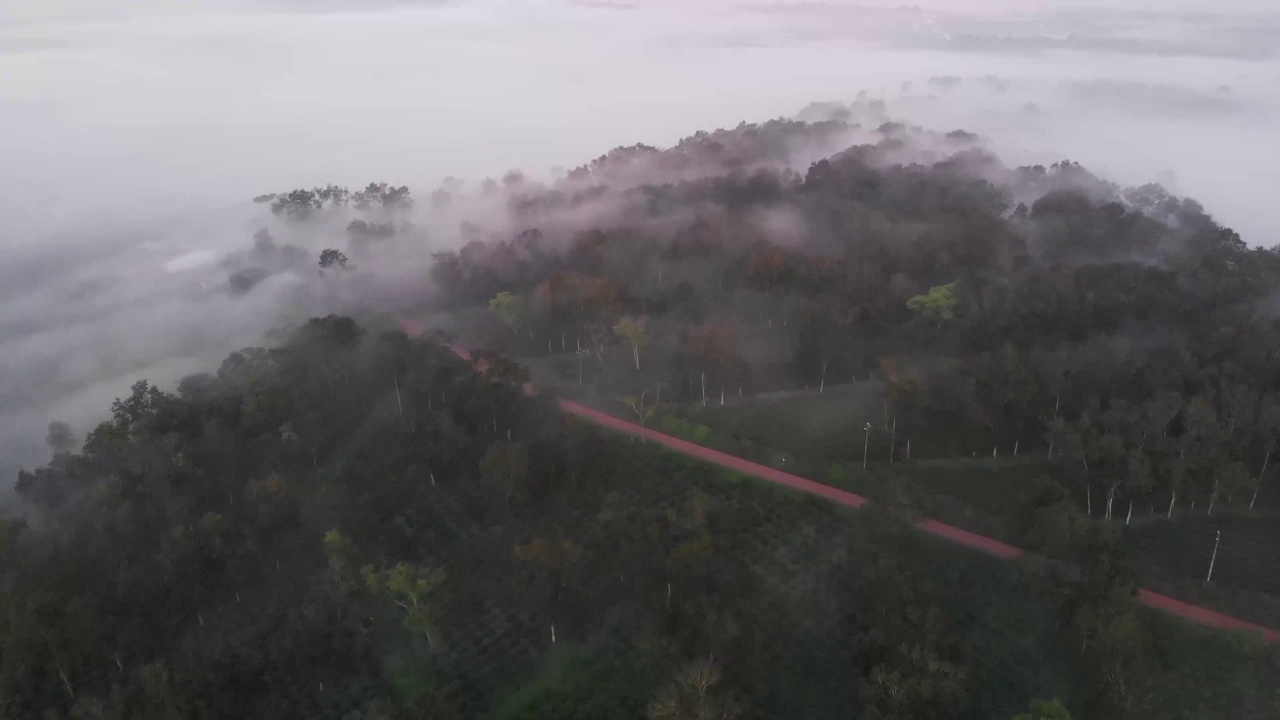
356	524
1029	305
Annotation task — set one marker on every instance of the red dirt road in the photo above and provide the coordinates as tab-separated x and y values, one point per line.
1194	613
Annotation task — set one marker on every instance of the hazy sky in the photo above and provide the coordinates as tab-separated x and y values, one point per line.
132	132
134	105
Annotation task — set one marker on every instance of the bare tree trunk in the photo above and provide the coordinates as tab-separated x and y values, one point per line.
635	353
866	442
1088	490
1173	497
1129	517
1258	484
66	683
398	405
1214	558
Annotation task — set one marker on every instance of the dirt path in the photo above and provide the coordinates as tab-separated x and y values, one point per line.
1194	613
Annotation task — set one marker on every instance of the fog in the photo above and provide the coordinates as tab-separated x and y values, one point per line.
136	132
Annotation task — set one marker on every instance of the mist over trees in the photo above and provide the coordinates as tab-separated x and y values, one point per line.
354	523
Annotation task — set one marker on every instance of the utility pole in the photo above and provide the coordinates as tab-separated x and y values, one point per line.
1214	558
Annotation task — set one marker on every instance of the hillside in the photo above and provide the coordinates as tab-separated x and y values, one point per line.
355	523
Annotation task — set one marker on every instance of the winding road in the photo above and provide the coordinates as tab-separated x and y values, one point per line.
1194	613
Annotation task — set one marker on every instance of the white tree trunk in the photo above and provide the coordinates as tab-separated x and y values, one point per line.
1258	484
1173	497
1129	517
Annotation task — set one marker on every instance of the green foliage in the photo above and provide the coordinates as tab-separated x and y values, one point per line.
938	306
1045	710
509	307
415	589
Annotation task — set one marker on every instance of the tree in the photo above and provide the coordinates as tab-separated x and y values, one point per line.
1045	710
637	405
415	589
636	332
937	306
509	307
332	258
506	466
342	559
59	438
694	694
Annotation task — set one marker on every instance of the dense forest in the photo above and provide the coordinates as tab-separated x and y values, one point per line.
356	523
